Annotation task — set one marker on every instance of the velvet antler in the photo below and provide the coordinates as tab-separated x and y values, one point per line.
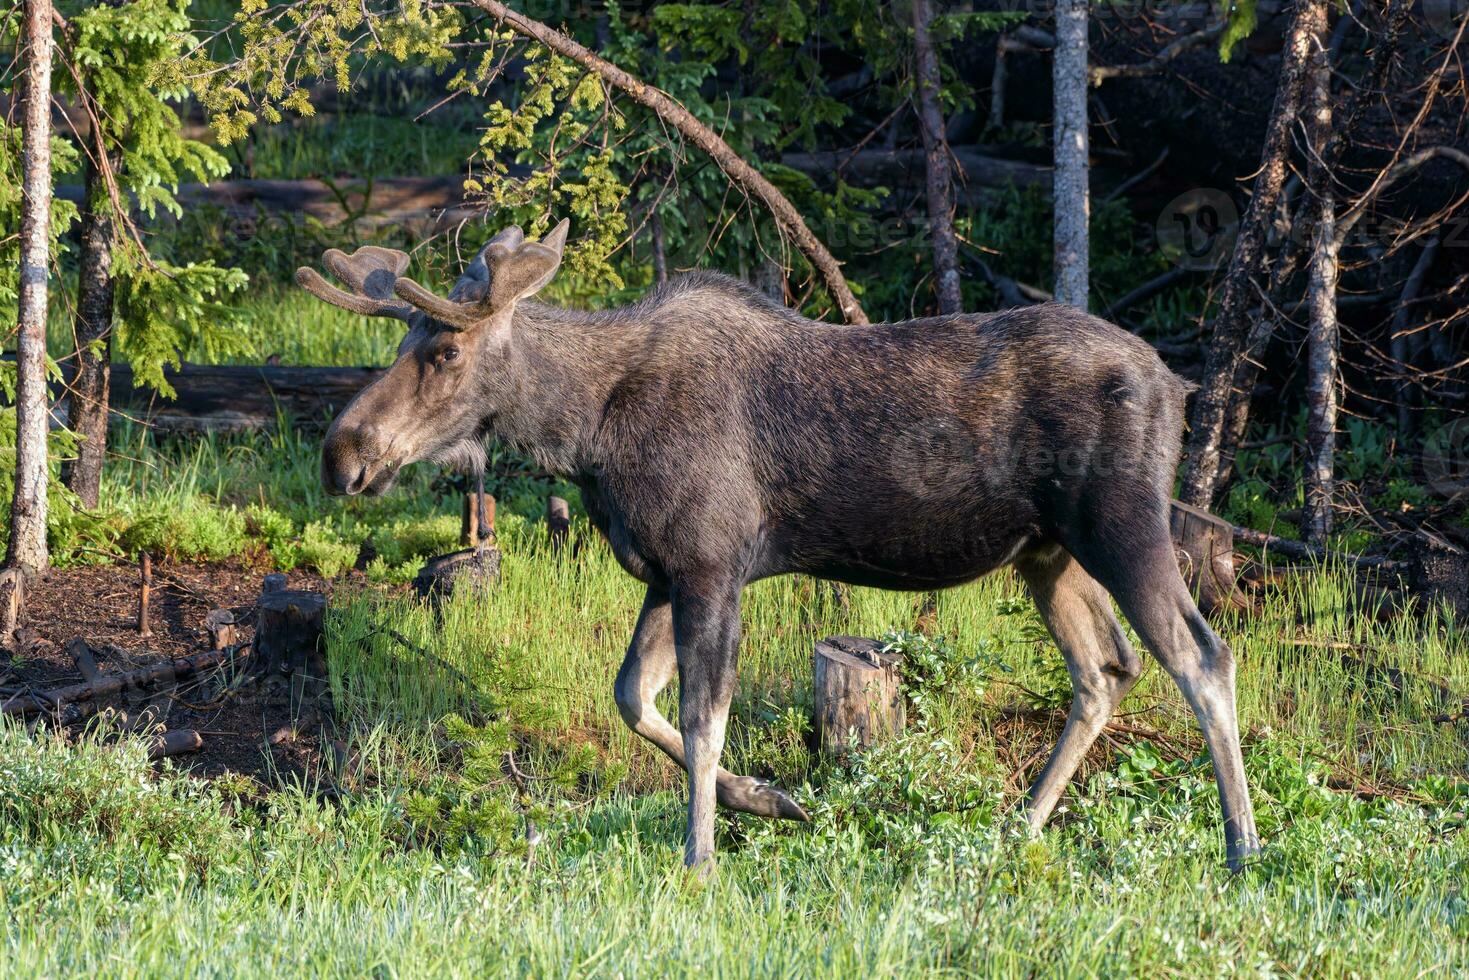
370	272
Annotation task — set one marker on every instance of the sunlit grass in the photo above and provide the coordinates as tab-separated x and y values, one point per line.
1128	881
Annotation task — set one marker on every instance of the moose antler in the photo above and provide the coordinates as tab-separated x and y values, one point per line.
370	272
507	269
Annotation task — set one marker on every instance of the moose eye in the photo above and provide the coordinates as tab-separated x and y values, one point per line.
448	353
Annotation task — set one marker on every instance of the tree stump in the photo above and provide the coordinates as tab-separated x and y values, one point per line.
1438	574
274	582
12	601
288	637
558	522
470	531
858	690
473	568
1204	547
223	630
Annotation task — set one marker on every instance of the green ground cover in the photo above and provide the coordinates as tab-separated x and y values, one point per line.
912	862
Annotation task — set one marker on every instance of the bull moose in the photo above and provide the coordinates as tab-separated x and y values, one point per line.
719	438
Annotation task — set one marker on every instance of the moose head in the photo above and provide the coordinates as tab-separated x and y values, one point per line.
436	399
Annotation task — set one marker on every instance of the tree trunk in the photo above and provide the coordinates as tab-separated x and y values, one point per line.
1323	335
1231	325
27	548
936	161
1072	199
1298	233
89	387
736	168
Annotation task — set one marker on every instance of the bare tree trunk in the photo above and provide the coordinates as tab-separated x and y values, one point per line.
89	388
936	161
1072	200
998	80
1323	337
736	168
27	548
1299	232
1231	325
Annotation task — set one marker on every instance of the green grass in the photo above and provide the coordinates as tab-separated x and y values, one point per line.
912	863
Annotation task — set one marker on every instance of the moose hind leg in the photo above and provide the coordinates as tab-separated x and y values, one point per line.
646	670
1144	578
1102	665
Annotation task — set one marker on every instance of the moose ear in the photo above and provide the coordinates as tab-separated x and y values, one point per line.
527	269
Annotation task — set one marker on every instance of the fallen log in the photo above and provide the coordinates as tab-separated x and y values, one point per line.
105	685
424	204
177	742
1301	551
978	170
241	397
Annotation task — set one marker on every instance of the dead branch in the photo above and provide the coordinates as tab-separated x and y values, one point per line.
1397	172
109	684
735	167
1301	551
1159	61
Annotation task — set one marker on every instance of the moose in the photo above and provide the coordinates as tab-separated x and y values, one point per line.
719	438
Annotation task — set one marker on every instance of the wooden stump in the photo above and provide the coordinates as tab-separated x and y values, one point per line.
223	630
470	531
473	568
558	522
288	636
1204	547
274	582
858	690
1438	573
12	601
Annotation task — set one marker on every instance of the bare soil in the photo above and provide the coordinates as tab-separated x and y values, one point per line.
263	736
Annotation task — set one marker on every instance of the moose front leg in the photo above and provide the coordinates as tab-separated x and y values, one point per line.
649	666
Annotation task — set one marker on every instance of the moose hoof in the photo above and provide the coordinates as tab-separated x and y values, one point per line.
750	795
1243	853
700	867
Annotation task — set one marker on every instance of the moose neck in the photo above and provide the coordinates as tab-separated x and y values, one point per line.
561	370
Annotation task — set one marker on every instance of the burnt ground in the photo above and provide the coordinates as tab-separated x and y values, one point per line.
244	731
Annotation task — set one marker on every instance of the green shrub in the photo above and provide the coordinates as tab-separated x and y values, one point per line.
405	540
326	550
193	527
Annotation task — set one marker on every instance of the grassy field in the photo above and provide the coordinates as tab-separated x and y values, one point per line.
912	863
417	861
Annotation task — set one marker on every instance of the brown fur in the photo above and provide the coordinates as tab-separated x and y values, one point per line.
719	438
